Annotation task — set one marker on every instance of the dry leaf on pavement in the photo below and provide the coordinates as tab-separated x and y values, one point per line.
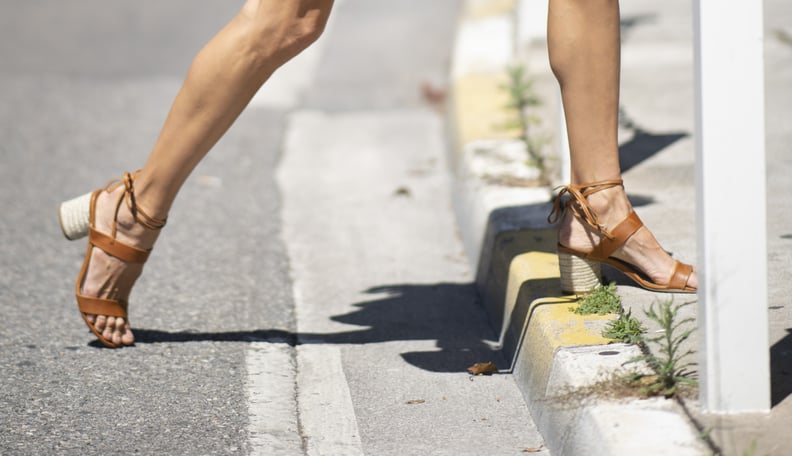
483	368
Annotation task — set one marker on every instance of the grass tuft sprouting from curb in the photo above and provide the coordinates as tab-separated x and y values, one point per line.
601	301
671	370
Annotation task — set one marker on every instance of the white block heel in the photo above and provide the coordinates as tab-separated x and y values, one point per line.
73	217
577	274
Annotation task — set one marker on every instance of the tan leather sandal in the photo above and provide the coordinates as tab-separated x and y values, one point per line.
77	218
580	271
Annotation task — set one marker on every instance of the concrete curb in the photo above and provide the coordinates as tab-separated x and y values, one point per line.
512	248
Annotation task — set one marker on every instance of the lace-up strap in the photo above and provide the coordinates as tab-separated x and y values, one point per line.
128	195
577	200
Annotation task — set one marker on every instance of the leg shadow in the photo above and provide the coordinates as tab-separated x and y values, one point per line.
448	313
643	146
781	369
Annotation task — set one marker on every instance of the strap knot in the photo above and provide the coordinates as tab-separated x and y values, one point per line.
577	201
128	195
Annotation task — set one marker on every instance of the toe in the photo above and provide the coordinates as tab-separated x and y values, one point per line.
127	338
122	335
100	322
109	328
693	280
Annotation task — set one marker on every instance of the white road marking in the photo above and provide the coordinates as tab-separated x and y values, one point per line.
361	251
325	405
274	427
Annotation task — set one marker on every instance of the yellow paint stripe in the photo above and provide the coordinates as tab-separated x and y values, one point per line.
550	324
480	108
566	329
559	325
481	9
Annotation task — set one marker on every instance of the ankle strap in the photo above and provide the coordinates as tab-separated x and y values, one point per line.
578	201
128	195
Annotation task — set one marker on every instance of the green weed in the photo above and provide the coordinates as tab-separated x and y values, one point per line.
522	98
670	365
626	328
751	450
601	301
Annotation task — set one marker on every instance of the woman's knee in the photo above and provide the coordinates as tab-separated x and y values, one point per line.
573	24
281	29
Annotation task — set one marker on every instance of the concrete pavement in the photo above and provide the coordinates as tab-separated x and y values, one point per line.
388	319
509	243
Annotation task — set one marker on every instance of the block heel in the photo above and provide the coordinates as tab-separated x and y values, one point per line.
578	275
74	215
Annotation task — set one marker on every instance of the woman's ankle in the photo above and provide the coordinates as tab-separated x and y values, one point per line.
152	196
610	206
127	228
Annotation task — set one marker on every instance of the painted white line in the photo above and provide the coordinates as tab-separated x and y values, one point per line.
273	429
325	405
358	249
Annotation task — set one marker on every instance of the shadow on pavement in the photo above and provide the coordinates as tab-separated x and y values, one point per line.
449	313
643	146
781	369
629	23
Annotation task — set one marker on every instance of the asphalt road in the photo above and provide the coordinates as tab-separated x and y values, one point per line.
84	88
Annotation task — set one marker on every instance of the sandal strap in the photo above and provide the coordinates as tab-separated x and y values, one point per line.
100	306
681	276
128	195
116	248
578	202
618	236
109	243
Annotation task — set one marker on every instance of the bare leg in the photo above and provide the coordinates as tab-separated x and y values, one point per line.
584	48
223	78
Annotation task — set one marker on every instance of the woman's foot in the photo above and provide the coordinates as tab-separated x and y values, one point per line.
109	277
641	250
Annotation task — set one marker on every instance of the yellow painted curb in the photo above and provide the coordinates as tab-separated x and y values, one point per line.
480	108
484	8
520	279
550	317
541	321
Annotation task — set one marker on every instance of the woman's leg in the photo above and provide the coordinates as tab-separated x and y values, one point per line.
223	78
584	47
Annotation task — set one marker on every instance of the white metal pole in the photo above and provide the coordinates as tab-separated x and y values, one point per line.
730	181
